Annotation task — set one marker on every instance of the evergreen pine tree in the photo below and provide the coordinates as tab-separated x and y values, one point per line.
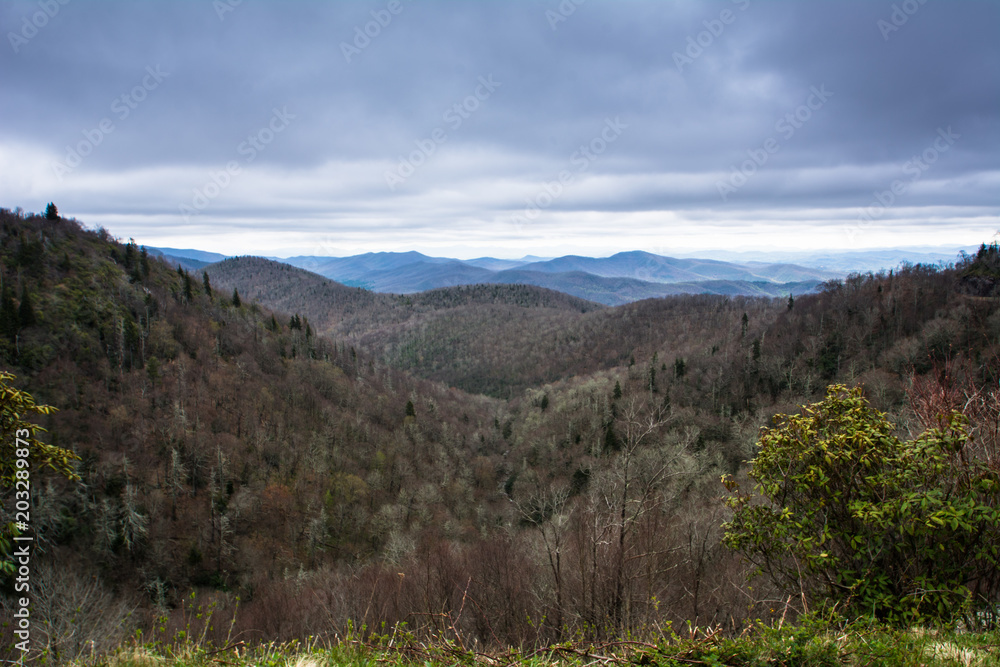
153	369
206	284
10	322
26	313
236	298
130	255
51	212
611	443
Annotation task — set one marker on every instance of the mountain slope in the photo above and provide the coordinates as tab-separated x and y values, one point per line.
187	253
609	291
494	264
358	267
478	337
220	448
352	311
422	276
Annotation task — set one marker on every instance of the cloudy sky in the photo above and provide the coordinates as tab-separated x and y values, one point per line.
498	128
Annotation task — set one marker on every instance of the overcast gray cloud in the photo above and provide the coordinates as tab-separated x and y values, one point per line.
506	127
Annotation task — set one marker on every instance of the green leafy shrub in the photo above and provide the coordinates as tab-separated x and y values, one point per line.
22	459
845	511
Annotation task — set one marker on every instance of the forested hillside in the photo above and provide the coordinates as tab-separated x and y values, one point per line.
337	309
496	339
219	446
316	463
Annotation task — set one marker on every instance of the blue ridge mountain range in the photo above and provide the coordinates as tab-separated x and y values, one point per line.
620	278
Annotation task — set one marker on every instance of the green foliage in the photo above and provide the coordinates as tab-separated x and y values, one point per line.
51	212
153	369
236	298
845	511
814	642
830	356
986	261
23	457
130	255
809	644
29	254
10	320
26	311
611	441
979	274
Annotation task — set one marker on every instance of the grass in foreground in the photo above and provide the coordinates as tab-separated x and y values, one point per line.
804	645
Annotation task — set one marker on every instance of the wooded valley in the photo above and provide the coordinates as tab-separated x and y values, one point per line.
501	463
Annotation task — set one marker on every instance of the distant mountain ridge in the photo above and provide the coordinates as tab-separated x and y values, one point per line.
621	278
188	253
847	261
657	268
